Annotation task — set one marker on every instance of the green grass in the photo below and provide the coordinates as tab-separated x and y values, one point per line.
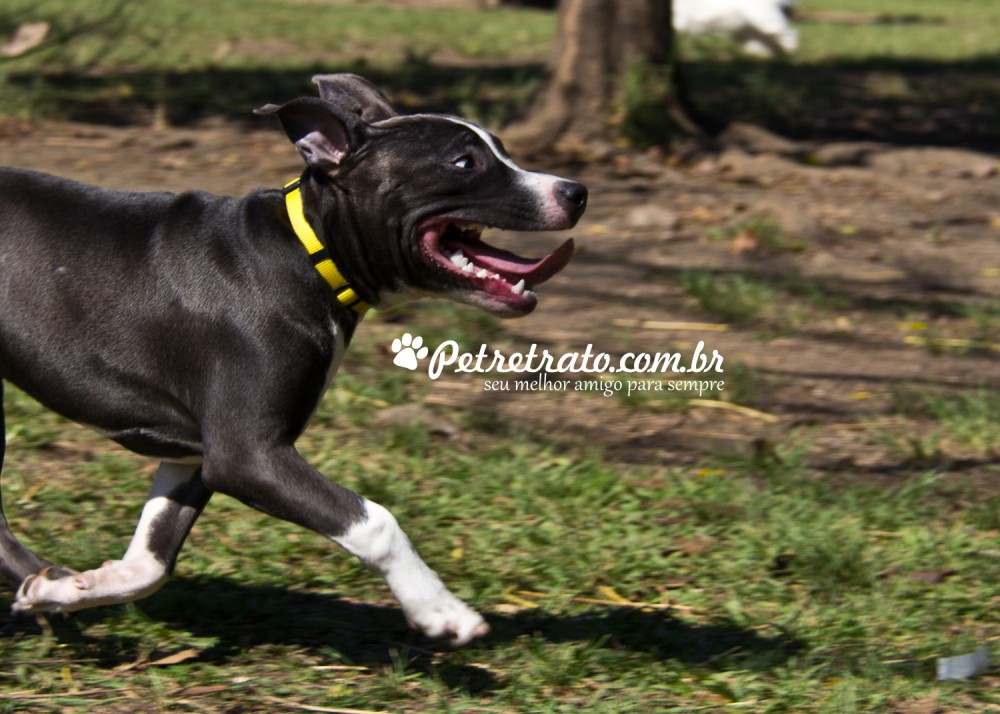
731	297
905	61
969	419
775	305
964	425
924	29
746	581
119	60
888	65
758	233
901	29
223	33
984	316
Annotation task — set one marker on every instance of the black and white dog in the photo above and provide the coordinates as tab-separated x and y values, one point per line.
202	330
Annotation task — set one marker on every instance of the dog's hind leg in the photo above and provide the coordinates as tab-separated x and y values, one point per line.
16	561
175	502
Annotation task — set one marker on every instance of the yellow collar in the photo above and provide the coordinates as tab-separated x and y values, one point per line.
319	255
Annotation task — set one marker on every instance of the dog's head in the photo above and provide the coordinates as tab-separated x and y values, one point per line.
418	191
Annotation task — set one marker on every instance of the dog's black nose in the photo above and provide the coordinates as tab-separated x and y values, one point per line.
572	196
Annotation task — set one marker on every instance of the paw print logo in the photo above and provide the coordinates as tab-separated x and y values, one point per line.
408	351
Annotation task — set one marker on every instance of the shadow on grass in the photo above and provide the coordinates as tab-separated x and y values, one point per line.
126	98
892	100
239	617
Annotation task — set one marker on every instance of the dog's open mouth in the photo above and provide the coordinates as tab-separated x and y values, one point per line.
503	281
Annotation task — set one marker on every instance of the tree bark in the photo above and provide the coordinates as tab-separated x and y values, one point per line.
598	44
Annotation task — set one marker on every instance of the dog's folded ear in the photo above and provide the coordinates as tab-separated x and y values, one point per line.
355	94
324	133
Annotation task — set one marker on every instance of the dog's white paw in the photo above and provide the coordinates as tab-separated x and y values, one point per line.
61	590
450	618
52	589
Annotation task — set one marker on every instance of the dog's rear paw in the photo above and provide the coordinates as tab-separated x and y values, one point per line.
449	619
44	591
116	581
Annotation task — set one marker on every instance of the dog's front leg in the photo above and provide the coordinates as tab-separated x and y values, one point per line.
175	502
379	542
281	483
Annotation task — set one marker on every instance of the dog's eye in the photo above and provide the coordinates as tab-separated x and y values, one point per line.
464	162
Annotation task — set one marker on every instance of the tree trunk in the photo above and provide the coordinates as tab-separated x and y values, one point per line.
598	45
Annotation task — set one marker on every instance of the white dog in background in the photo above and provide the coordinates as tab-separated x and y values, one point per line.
760	26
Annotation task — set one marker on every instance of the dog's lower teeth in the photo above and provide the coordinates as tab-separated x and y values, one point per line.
458	259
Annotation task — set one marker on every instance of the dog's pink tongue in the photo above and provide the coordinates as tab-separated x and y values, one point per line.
513	267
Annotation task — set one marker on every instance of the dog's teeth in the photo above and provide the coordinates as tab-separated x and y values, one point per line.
530	293
459	259
483	272
468	268
519	288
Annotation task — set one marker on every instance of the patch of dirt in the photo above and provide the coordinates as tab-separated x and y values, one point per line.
883	244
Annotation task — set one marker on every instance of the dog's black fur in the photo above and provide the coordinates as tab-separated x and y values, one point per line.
194	328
